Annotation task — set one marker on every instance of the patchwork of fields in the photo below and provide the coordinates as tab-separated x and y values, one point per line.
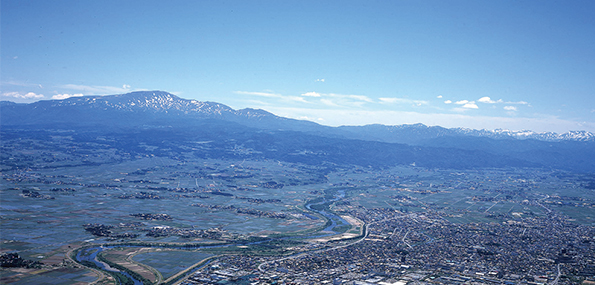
160	201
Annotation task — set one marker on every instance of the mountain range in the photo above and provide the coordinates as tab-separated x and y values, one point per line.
161	118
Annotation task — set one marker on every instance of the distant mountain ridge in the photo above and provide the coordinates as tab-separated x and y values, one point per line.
154	102
415	133
172	126
526	134
134	109
163	103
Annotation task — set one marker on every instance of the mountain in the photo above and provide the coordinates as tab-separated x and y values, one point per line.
143	108
154	106
526	134
172	126
416	133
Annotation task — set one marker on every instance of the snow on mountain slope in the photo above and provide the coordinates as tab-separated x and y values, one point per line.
526	134
163	103
154	101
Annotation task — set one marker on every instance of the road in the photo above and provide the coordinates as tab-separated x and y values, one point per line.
555	282
367	232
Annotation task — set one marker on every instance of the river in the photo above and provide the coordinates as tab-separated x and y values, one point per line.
90	254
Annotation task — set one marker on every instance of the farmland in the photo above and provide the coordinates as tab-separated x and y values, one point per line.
151	202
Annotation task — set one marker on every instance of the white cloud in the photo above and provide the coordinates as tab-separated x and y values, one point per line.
489	100
295	98
439	96
311	119
330	99
320	80
389	100
311	94
466	105
510	108
273	95
126	86
471	105
356	97
29	95
393	100
447	102
66	96
341	100
519	103
485	100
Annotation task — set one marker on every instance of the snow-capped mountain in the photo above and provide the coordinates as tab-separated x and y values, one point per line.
142	101
418	133
151	107
142	108
161	118
526	134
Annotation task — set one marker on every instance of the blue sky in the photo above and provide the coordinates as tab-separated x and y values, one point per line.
476	64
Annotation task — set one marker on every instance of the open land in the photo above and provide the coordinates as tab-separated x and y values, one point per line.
263	221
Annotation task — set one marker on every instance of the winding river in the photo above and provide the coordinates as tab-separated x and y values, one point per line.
90	254
332	217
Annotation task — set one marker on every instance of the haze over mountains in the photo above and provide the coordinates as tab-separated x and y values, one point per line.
173	124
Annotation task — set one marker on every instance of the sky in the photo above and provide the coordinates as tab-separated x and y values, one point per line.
518	65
